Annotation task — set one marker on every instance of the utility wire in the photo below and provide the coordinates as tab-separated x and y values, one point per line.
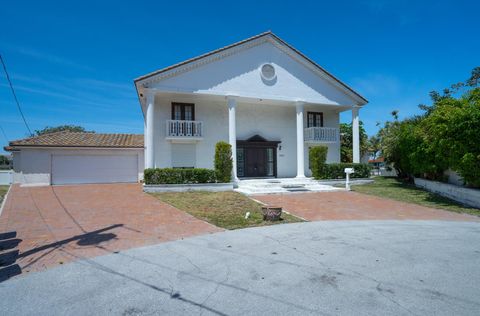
15	96
4	135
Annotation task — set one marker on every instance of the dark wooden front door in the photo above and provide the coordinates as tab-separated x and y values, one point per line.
256	162
256	157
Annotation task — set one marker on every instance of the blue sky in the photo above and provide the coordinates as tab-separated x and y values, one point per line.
75	63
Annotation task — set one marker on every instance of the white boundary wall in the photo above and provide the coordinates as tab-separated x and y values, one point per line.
460	194
6	177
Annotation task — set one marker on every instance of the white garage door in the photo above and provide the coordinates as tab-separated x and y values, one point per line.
71	169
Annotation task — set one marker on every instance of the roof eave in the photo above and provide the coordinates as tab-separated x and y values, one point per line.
19	147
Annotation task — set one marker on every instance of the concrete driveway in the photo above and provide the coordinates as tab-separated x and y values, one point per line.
315	268
344	205
46	226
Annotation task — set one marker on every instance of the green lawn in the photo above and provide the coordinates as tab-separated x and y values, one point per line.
3	191
392	188
222	209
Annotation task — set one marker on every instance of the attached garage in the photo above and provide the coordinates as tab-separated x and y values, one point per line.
78	158
70	169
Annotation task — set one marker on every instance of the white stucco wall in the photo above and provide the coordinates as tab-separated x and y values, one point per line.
33	166
460	194
273	122
454	177
239	74
6	177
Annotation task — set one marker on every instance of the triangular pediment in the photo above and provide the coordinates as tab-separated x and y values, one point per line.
240	70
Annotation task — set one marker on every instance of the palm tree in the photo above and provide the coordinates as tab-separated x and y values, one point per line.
395	114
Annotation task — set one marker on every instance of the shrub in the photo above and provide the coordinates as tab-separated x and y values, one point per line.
317	157
223	162
444	137
178	176
337	171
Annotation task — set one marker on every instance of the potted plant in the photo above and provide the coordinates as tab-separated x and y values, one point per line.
271	213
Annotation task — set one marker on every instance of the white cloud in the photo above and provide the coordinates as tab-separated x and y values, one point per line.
377	85
50	58
403	10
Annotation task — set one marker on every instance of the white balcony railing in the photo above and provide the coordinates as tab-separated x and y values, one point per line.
177	128
322	134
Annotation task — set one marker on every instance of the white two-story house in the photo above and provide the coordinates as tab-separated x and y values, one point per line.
264	97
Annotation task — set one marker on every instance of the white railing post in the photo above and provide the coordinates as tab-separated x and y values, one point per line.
178	128
322	134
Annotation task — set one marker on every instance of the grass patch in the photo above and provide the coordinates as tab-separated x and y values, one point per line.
395	189
222	209
3	191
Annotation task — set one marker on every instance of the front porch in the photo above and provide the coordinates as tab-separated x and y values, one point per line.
269	137
283	185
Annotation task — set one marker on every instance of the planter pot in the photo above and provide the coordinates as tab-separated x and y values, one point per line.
271	213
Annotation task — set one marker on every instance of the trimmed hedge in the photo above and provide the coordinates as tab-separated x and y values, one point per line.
223	161
179	176
317	157
337	171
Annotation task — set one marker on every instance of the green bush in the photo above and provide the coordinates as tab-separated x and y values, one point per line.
178	176
337	171
444	136
317	157
223	162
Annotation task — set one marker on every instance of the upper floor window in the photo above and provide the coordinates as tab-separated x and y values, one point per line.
183	111
314	119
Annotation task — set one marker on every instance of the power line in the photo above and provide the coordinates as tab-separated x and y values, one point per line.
15	96
4	135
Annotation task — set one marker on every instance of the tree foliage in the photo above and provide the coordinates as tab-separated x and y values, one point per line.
346	141
61	128
374	146
445	136
4	160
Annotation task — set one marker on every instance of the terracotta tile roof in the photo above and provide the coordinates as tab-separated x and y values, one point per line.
381	159
79	139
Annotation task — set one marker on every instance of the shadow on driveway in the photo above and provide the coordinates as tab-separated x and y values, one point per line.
41	227
8	266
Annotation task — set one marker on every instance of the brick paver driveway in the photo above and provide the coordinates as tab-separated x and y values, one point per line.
355	206
50	225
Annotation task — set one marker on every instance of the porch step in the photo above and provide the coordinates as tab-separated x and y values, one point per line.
282	185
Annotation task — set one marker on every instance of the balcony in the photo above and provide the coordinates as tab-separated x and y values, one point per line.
322	135
179	130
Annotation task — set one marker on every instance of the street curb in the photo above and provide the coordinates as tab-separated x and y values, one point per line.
5	200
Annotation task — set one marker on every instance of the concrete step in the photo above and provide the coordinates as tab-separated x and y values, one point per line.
277	186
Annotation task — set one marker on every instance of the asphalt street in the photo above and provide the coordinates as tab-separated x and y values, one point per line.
317	268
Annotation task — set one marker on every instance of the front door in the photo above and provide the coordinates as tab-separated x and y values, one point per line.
256	162
256	157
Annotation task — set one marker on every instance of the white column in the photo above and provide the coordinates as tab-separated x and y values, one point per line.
232	133
149	131
355	135
300	141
